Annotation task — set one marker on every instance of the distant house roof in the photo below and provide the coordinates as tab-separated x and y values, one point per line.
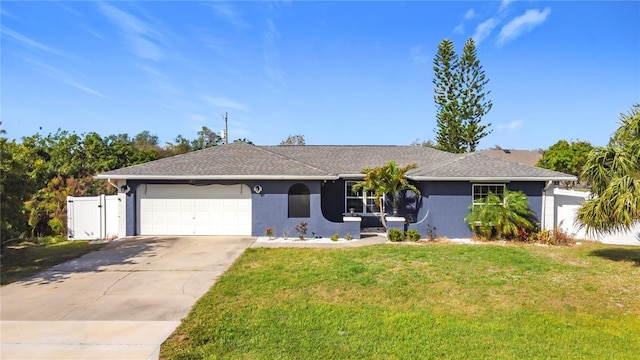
242	161
526	157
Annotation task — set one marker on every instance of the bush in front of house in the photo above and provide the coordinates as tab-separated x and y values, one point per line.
395	235
413	235
494	217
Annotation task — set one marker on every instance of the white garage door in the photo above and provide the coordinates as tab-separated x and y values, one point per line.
194	210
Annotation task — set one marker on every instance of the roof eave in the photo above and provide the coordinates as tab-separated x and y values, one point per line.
494	178
215	177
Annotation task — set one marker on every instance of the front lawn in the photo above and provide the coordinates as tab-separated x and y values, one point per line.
28	258
419	302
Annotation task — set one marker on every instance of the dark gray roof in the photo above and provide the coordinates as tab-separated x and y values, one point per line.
527	157
245	161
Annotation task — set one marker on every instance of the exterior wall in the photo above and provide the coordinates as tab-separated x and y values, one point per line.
567	203
442	206
269	209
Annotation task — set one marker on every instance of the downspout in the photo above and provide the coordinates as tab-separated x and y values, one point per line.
112	184
544	205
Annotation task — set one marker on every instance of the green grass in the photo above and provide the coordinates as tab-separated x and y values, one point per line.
28	258
419	302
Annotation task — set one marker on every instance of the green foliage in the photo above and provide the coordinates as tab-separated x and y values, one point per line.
614	175
497	217
348	237
335	237
294	140
460	98
413	235
16	187
388	179
566	157
395	235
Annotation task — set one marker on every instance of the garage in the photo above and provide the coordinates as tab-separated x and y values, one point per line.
193	209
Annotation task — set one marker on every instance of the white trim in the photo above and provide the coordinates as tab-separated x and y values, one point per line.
363	199
213	177
395	218
479	179
351	219
473	192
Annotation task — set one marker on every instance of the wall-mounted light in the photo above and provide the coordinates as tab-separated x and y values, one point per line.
125	188
257	189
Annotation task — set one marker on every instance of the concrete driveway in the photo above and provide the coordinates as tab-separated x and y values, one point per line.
120	302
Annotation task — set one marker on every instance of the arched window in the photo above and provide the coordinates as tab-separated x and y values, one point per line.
299	201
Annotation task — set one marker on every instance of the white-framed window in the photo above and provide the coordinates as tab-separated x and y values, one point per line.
362	202
480	191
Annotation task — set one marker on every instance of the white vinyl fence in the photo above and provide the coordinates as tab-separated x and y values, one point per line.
567	203
92	217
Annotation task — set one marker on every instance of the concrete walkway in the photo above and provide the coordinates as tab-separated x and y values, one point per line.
121	302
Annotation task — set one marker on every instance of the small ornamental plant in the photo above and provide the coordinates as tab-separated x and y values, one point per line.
395	235
348	237
269	233
413	235
301	229
335	237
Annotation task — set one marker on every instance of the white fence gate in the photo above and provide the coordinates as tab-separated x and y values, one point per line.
92	217
567	203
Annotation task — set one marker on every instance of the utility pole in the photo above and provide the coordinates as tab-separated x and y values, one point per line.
226	129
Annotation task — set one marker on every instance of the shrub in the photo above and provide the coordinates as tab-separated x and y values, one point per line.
348	237
334	237
497	217
553	237
395	235
431	233
301	229
269	232
413	235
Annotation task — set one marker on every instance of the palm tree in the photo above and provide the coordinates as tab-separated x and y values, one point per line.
614	175
507	215
374	182
387	179
397	182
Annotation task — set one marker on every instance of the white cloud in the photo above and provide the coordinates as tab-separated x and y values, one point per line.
138	34
65	78
223	102
522	24
504	4
470	14
417	55
31	44
512	126
483	30
229	14
459	29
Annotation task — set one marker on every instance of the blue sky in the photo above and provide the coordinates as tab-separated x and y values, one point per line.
336	72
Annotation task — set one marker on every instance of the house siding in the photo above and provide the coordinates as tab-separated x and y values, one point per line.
269	209
444	205
441	206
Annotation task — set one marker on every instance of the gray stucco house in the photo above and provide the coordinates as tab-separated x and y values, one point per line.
242	189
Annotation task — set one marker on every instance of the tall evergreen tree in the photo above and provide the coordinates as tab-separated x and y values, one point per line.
460	97
473	102
446	93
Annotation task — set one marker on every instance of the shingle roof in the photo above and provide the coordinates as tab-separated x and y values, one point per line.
527	157
245	161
